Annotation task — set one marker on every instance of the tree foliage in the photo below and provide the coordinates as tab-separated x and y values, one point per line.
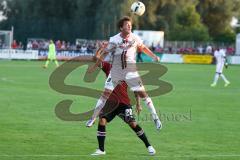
71	19
188	26
217	15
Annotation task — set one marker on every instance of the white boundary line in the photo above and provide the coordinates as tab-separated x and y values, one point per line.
163	156
6	79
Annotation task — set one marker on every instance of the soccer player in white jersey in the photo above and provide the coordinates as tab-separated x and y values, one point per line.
123	47
220	57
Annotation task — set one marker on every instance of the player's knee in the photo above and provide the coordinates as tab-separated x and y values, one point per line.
102	121
106	93
133	124
141	94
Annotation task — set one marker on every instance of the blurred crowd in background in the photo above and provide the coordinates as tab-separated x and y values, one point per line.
89	46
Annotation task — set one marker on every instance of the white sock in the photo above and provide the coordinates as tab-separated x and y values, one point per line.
216	78
224	78
148	102
100	104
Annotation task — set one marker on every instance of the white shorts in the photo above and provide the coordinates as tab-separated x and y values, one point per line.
219	67
132	78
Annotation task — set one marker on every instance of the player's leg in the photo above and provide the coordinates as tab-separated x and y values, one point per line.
101	132
215	80
149	104
50	57
56	62
100	104
220	70
101	101
46	63
135	83
141	135
126	114
225	80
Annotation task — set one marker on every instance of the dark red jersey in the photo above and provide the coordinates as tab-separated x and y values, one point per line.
106	67
120	91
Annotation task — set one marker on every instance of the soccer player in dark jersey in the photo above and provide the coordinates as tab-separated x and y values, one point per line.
123	110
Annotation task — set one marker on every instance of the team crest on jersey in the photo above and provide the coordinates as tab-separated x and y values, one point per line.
126	45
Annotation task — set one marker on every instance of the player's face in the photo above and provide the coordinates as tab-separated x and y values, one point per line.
127	27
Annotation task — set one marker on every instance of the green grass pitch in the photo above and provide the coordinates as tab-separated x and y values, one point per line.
199	122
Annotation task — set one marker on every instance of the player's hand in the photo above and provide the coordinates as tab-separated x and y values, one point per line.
91	69
138	109
156	59
226	65
102	45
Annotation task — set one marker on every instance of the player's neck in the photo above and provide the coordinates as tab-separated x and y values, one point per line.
124	35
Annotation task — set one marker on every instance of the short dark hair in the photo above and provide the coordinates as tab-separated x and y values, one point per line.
122	20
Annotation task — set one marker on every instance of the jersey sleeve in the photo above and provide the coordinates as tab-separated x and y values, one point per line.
223	53
106	67
215	53
111	45
139	41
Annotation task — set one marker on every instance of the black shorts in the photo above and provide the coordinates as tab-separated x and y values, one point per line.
123	111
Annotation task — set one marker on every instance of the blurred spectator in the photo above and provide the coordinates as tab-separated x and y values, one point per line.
14	45
83	49
230	51
209	49
58	45
29	45
200	49
20	46
1	43
170	49
35	44
139	55
63	45
89	46
158	48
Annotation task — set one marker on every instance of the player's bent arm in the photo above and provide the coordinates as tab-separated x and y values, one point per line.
147	51
100	55
86	59
225	62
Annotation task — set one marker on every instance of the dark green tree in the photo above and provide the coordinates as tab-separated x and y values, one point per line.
91	19
217	15
188	26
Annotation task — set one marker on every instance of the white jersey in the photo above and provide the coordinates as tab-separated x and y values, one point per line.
124	61
220	56
220	60
124	50
108	58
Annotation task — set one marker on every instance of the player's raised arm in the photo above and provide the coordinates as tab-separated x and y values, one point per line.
100	54
147	51
98	59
